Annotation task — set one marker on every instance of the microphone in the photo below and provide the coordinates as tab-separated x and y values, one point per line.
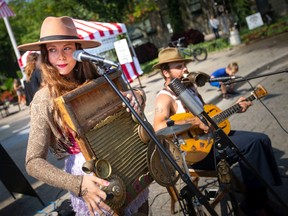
224	79
188	97
198	78
81	55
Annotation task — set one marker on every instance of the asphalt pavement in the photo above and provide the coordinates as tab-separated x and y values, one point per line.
260	58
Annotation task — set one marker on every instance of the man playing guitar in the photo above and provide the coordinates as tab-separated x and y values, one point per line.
255	147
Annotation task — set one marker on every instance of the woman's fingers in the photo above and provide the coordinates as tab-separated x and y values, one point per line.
93	195
132	100
97	204
100	181
102	205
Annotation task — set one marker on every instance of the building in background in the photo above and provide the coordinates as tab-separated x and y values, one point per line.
156	30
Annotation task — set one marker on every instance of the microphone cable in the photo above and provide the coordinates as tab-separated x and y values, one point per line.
275	118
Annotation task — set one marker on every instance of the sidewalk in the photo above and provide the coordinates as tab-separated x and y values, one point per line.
253	59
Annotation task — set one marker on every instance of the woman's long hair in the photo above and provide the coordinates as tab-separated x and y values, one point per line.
58	84
31	64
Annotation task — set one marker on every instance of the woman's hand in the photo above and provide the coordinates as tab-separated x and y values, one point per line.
93	195
244	104
132	100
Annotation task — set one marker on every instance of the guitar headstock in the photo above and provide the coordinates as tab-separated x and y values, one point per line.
259	92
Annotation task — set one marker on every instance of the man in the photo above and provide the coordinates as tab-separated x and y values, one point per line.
214	23
255	147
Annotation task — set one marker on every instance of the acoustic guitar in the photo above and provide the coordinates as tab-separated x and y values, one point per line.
195	142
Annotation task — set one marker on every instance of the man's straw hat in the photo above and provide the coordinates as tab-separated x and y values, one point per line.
168	55
58	29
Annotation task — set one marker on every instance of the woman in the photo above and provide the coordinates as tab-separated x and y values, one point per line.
19	91
61	74
33	76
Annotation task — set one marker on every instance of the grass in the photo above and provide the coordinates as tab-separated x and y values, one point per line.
264	31
147	66
246	36
215	45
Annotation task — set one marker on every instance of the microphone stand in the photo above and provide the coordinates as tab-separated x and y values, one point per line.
184	176
254	77
222	141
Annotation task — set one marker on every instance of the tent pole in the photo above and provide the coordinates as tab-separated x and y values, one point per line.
11	35
134	55
130	43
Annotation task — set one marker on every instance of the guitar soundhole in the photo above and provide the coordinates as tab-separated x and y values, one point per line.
190	134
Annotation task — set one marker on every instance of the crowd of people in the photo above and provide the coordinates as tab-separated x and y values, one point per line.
60	73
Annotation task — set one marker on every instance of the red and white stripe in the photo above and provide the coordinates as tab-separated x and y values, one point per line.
97	30
5	11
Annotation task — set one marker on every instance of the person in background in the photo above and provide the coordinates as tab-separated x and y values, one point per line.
19	91
48	130
33	76
256	147
214	23
230	70
222	15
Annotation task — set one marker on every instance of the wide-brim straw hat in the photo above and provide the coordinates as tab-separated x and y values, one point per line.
169	55
58	29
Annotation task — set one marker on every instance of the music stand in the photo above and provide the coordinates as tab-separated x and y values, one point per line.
12	177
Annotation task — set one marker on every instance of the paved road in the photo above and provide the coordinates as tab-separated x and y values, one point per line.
265	56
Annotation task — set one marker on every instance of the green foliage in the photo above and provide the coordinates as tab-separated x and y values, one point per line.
241	9
215	45
175	16
7	85
139	10
147	67
264	31
118	10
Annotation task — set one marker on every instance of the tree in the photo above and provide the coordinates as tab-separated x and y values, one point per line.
175	16
241	9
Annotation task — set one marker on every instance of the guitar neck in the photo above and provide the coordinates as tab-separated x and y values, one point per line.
230	111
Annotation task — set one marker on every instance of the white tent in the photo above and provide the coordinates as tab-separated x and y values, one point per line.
106	33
